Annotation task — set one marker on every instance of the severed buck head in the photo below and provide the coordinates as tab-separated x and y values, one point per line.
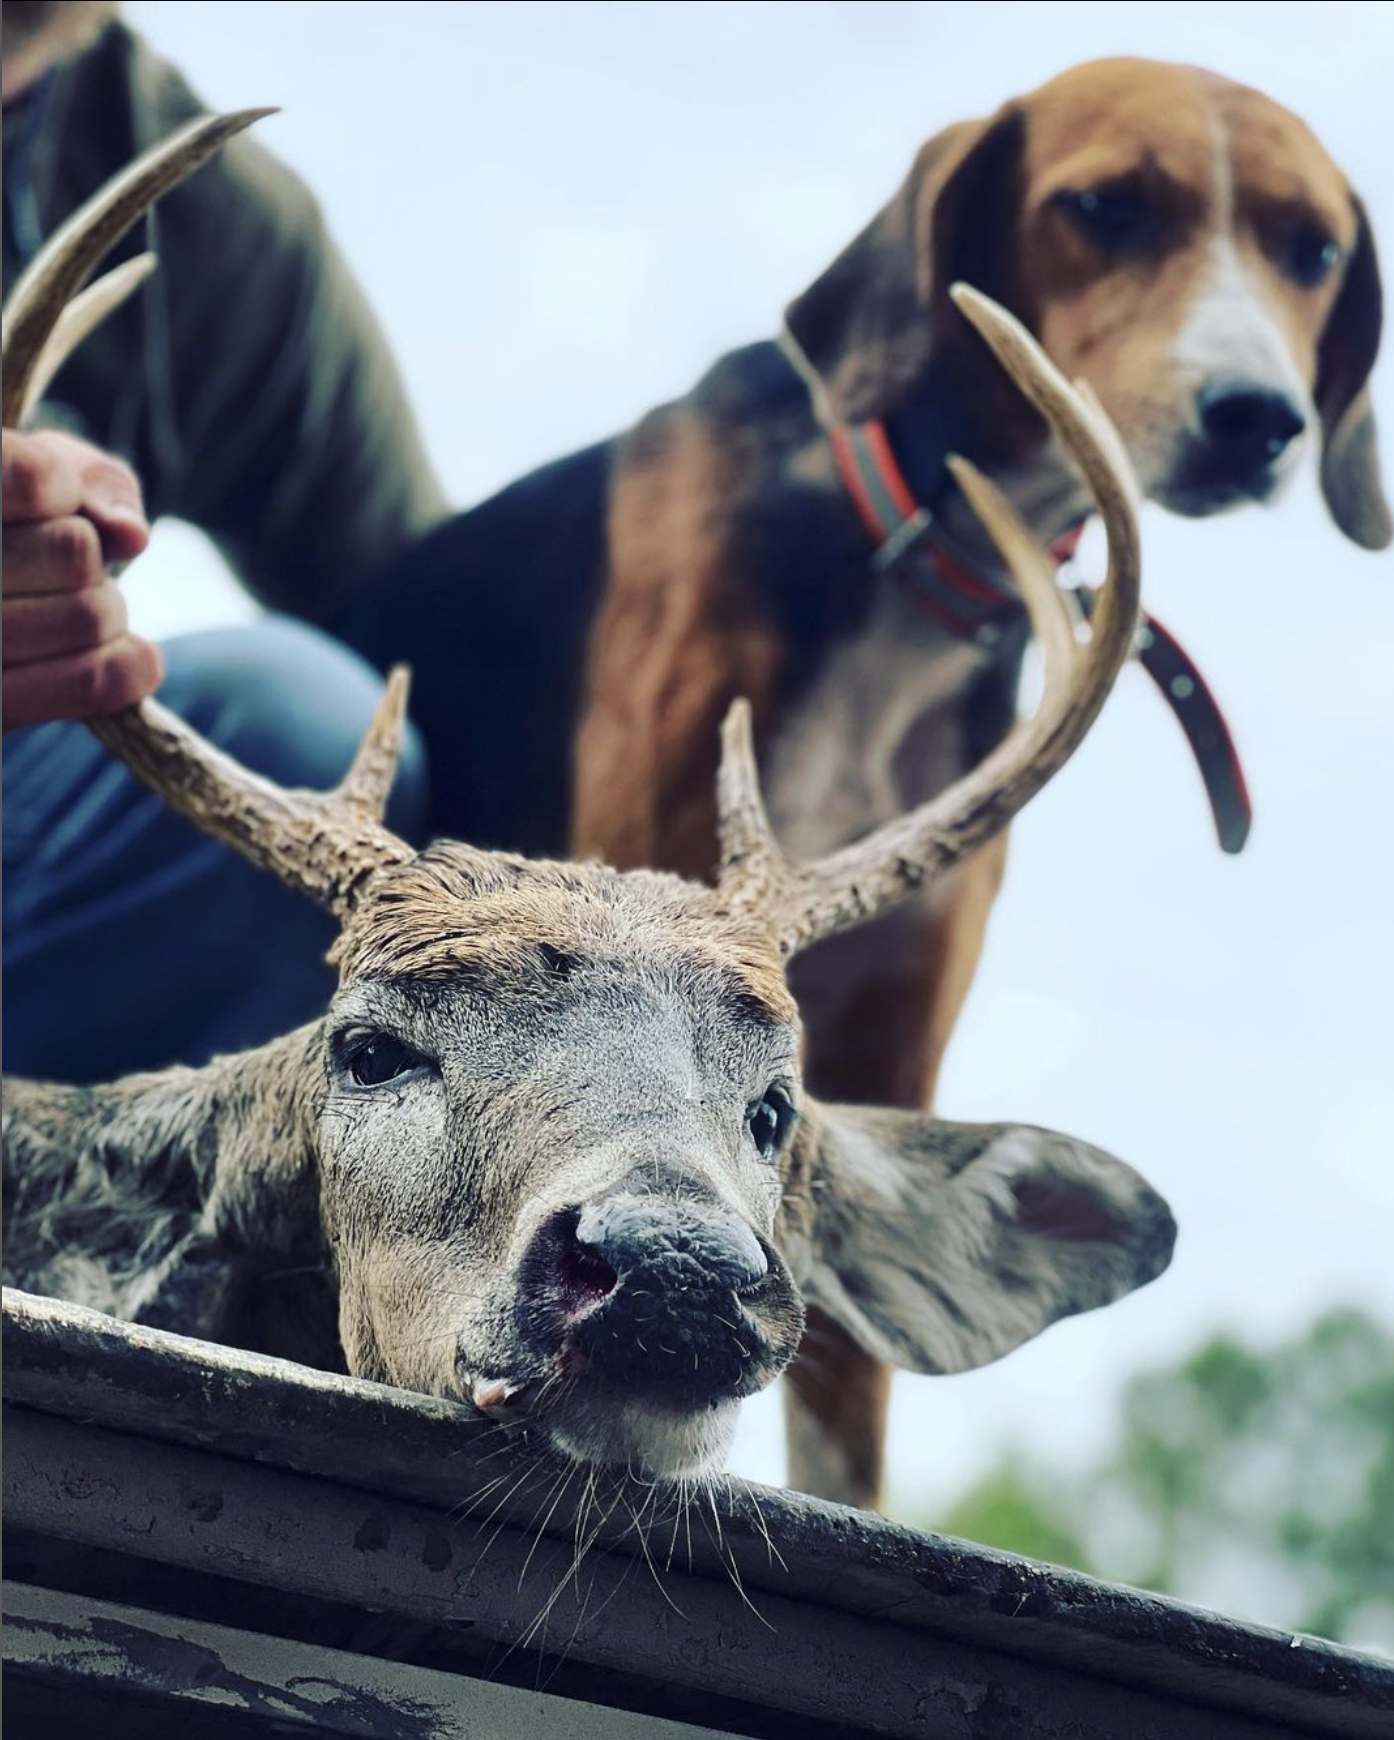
549	1142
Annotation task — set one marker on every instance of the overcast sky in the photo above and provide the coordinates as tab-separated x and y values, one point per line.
562	214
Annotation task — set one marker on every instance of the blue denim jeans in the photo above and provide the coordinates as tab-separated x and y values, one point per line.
132	941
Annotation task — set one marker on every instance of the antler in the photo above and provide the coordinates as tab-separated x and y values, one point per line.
806	902
327	844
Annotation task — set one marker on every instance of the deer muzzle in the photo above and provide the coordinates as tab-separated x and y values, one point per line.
673	1300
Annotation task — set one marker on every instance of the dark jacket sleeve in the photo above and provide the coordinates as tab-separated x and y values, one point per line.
248	382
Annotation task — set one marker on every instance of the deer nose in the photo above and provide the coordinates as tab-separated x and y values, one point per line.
673	1317
699	1246
1248	426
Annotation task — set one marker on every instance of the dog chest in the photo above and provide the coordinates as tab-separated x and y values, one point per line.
876	729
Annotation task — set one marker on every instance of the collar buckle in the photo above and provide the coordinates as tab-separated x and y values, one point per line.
901	539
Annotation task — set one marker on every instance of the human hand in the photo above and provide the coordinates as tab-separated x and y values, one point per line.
70	511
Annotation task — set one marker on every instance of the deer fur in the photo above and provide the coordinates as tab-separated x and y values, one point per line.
588	1031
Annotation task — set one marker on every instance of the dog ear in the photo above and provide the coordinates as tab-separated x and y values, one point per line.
1350	478
870	326
940	1247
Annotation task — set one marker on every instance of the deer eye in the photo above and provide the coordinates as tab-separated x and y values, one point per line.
1118	219
770	1120
374	1058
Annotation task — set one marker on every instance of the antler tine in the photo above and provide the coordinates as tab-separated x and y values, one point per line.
367	785
753	868
82	315
58	269
859	881
1030	567
326	844
1077	417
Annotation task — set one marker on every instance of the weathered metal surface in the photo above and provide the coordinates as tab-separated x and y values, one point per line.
67	1640
900	1632
209	1513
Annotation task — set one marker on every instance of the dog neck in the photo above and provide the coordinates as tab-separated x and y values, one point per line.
890	476
944	417
955	407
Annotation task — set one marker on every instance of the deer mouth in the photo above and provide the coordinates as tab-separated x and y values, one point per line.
506	1399
641	1325
652	1440
592	1423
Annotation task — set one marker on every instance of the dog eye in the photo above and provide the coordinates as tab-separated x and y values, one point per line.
1310	255
1116	219
374	1058
770	1120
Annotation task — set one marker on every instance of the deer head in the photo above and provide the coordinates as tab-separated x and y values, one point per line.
551	1133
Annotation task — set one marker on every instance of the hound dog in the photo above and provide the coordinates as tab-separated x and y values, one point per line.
789	532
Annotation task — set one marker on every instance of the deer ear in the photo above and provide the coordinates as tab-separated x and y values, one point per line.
941	1247
870	326
1350	478
157	1196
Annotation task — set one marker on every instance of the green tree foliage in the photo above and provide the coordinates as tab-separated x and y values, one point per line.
1256	1480
1013	1509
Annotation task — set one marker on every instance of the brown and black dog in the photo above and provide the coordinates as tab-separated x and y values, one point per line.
1180	242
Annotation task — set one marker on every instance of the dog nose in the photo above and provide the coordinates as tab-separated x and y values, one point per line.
1250	425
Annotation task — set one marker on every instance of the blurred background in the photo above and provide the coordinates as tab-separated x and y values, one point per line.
562	214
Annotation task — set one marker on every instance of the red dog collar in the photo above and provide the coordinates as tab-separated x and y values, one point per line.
975	605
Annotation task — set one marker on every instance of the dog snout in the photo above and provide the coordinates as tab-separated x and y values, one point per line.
1248	427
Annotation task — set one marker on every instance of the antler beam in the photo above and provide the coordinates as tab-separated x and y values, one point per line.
810	901
328	845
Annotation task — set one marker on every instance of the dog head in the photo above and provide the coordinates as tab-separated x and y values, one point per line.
1179	241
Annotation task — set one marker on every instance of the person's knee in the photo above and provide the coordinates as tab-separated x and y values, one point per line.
291	704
